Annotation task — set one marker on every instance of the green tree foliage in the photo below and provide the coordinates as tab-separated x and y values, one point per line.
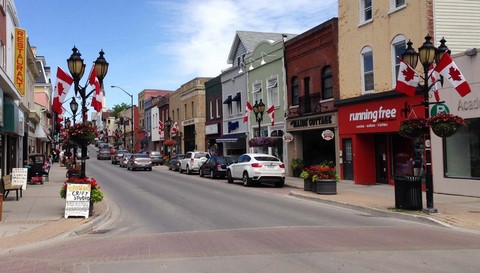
117	108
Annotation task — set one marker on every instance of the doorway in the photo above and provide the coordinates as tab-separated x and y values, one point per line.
347	159
381	162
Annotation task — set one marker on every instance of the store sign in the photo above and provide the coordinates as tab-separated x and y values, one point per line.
287	137
77	200
377	116
20	59
312	122
211	129
328	134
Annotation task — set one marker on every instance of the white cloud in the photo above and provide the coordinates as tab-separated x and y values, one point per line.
204	30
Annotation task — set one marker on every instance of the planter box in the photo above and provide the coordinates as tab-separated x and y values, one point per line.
307	184
326	186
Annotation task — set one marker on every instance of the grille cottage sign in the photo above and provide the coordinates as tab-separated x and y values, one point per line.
312	122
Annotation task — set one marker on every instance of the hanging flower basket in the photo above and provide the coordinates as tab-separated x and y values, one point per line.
445	124
82	134
413	127
170	142
261	142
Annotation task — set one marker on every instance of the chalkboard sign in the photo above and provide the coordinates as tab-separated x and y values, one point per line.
77	200
19	177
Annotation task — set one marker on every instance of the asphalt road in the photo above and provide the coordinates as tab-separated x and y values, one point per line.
164	221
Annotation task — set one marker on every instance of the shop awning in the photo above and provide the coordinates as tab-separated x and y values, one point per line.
228	100
40	133
230	138
237	97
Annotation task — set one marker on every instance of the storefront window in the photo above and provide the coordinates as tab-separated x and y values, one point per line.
462	152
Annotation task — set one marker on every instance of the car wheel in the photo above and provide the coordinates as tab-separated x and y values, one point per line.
229	177
188	170
200	172
169	168
212	174
150	169
280	183
180	170
247	181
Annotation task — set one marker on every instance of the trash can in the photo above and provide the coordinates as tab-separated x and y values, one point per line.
408	192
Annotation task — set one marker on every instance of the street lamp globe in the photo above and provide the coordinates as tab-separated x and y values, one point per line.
410	56
427	52
101	66
76	65
74	106
168	122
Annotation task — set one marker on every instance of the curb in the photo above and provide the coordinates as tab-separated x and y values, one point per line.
382	212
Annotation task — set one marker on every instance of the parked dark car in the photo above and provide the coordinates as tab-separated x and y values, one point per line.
103	153
174	163
215	166
117	155
139	161
156	157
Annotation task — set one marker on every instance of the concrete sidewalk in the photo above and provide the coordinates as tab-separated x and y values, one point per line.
39	215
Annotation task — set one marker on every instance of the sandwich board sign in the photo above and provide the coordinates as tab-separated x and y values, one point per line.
19	177
77	200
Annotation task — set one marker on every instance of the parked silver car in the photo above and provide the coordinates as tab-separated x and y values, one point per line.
122	161
139	161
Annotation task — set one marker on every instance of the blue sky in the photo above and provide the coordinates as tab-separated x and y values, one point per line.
157	44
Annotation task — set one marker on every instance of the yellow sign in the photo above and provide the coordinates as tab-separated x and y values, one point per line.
20	59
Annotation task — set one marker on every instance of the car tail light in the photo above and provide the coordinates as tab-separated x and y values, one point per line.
282	166
219	166
256	165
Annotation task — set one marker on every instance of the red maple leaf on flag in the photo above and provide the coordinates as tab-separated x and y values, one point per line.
60	88
408	74
455	74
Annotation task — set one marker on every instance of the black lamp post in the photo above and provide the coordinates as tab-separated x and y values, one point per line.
74	108
168	124
259	109
77	69
68	123
131	115
428	54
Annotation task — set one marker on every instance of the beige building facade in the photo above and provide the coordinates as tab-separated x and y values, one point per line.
376	34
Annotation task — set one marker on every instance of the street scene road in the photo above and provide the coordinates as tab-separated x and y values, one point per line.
164	221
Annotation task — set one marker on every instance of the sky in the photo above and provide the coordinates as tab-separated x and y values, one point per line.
156	44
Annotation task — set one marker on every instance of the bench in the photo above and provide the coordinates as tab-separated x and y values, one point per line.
7	187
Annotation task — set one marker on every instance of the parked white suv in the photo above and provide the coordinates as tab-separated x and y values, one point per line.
254	168
192	161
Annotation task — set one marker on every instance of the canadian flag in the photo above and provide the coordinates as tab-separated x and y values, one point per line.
271	113
62	86
433	78
160	126
449	70
248	108
407	80
95	83
174	129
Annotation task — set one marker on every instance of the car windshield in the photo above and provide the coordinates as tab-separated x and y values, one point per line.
224	160
120	152
266	158
142	156
155	153
200	155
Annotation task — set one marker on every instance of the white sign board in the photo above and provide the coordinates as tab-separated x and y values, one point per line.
19	177
77	201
